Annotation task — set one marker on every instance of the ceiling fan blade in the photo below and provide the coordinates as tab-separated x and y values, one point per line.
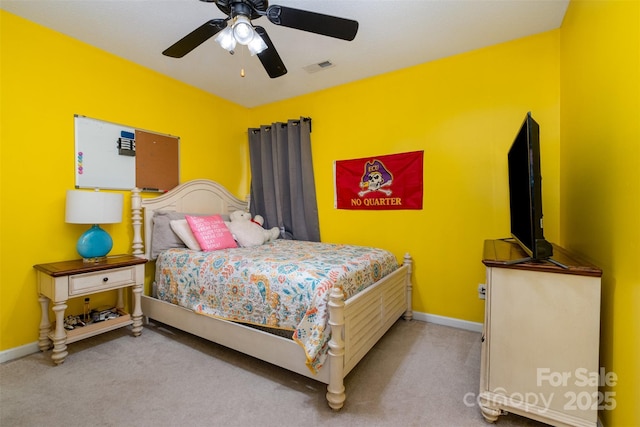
195	38
269	57
313	22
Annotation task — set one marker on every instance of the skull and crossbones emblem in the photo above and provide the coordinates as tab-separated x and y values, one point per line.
374	179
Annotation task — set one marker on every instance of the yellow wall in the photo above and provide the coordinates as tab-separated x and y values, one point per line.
600	183
46	78
464	112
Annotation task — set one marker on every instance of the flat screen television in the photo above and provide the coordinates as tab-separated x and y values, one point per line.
525	192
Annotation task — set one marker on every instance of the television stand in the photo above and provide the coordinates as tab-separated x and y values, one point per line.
530	259
540	337
511	256
518	261
558	263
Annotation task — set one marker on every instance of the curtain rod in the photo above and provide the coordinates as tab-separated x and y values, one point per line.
284	125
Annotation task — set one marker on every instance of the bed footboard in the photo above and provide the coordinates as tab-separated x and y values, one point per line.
408	262
357	325
335	389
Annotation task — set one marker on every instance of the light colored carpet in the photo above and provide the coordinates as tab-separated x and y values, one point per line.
419	374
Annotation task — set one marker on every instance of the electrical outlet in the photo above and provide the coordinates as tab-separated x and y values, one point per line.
482	290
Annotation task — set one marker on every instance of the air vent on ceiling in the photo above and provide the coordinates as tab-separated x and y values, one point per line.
319	66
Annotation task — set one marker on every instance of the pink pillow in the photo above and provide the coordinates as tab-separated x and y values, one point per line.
211	232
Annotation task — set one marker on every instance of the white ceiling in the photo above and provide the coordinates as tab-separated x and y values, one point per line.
393	34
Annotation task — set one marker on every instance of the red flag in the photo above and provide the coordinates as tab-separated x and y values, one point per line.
382	182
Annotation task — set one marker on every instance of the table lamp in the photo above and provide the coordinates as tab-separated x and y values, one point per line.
93	207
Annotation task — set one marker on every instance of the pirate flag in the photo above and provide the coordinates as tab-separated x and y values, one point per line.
382	182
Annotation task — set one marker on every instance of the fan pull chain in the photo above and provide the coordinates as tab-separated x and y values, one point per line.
242	66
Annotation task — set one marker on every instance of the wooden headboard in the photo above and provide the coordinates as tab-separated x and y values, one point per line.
200	196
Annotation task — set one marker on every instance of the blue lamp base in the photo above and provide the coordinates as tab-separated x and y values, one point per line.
94	244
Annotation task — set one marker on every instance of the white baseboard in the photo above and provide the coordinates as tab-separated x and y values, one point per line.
27	349
448	321
18	352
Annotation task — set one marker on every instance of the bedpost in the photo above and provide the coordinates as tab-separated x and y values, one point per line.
335	389
408	315
136	219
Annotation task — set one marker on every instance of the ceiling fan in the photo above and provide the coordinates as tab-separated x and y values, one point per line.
238	28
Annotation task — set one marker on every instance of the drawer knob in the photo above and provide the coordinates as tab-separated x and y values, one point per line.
105	279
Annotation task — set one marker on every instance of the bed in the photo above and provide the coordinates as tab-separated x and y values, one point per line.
355	320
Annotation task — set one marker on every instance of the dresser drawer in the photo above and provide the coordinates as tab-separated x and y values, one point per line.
101	280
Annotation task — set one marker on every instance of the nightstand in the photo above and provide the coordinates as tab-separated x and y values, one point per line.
59	281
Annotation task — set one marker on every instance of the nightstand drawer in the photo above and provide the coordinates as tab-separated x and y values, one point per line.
101	280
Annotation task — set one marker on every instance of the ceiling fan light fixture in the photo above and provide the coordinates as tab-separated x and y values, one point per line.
256	45
243	30
226	40
237	27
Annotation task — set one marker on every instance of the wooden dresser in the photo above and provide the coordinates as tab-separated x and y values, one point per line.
541	337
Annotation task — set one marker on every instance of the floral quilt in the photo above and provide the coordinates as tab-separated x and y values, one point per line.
284	285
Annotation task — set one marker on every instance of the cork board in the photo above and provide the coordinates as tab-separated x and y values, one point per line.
156	161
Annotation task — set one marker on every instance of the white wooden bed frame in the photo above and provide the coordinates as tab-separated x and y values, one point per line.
356	324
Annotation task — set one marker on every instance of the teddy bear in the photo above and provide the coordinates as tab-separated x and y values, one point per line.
248	231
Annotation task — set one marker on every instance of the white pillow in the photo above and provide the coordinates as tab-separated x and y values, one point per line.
182	229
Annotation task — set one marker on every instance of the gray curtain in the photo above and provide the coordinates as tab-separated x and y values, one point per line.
283	188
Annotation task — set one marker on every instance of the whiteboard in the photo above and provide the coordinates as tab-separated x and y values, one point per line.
98	162
108	156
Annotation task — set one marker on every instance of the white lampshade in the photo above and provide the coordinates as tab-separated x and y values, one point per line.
226	40
93	207
256	45
242	30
